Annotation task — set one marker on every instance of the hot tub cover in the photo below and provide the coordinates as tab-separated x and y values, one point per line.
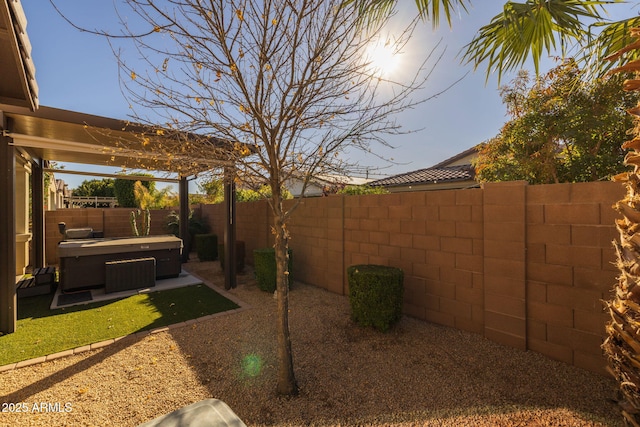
114	245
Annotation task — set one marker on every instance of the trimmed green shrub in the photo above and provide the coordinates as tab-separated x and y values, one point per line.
375	295
207	246
264	265
356	190
239	255
197	225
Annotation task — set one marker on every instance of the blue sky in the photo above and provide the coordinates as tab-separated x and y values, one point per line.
78	71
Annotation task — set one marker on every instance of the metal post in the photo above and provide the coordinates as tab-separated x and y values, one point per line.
230	229
184	217
8	300
37	209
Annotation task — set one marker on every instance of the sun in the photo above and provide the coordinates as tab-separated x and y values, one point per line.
383	57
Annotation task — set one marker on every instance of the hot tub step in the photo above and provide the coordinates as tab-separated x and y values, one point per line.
130	274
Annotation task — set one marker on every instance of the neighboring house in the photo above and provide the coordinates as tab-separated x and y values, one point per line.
453	173
322	185
56	194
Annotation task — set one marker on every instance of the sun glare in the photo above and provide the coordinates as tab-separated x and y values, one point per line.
382	57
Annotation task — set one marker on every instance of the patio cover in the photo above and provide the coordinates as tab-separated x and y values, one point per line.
50	134
42	134
17	72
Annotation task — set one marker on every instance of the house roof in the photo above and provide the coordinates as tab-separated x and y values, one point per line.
428	175
18	83
458	157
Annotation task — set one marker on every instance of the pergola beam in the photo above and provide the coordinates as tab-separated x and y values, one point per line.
111	175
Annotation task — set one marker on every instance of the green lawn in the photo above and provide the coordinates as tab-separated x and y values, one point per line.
41	331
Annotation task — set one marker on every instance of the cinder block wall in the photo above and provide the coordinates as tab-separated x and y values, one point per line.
253	224
504	292
525	266
569	269
114	222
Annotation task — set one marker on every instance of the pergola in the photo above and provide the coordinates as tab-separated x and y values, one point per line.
36	135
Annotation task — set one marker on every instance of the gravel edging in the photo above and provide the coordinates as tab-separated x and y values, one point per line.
417	374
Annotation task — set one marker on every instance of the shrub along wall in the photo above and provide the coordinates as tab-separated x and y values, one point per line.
525	266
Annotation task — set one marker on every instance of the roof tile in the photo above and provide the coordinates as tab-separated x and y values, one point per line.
430	175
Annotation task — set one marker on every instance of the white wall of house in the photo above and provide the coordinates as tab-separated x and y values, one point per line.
317	186
23	233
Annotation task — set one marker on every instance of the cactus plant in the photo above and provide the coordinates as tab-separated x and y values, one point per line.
145	224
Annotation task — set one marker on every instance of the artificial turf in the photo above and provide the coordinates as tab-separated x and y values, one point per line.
41	331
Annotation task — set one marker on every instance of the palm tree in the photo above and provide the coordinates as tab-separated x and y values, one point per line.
525	30
622	346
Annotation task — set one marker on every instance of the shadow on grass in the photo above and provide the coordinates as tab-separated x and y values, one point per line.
39	307
41	331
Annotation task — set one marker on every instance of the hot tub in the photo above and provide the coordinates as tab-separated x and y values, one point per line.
82	261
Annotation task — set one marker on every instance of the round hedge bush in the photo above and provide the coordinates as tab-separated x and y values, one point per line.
264	266
375	295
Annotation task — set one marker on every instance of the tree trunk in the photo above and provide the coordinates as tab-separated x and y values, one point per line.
286	378
622	346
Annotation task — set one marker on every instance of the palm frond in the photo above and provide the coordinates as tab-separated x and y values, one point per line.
612	37
526	30
431	10
372	11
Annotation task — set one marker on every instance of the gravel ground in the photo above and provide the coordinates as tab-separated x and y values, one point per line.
417	374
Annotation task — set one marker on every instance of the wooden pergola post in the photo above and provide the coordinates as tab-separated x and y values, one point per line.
230	228
184	217
37	210
8	300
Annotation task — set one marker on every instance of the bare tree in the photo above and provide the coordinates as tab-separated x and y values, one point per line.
289	82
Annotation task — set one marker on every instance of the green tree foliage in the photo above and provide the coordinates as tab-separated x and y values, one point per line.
561	129
124	190
96	188
264	192
153	199
356	190
213	190
214	193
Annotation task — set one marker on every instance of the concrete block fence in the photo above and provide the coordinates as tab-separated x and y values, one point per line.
525	266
